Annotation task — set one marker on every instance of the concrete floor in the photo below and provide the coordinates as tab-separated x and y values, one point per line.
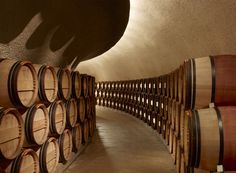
123	144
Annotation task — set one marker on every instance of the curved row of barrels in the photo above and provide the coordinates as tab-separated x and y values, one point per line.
46	114
193	108
24	84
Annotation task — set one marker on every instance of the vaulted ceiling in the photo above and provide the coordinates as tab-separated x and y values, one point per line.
162	33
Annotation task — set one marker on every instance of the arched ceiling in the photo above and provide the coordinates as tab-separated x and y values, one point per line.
59	32
162	33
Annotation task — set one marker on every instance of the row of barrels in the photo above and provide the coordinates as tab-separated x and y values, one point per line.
42	137
24	84
200	137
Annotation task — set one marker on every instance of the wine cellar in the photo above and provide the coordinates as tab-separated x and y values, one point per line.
118	86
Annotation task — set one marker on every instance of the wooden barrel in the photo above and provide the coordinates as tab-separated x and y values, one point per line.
76	137
64	83
157	103
182	120
212	141
180	83
171	85
210	80
154	86
176	79
169	110
167	85
76	84
159	124
27	161
36	125
19	84
164	85
161	105
85	88
11	133
85	131
91	126
177	119
91	86
48	83
49	156
171	138
57	118
167	131
65	146
174	153
71	112
88	106
81	109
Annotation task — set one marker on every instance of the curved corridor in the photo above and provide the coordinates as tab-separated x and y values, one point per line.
123	144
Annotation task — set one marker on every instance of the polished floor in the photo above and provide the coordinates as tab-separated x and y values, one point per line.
123	144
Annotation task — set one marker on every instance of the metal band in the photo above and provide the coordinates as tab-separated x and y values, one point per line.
193	84
198	140
221	131
41	77
12	88
213	72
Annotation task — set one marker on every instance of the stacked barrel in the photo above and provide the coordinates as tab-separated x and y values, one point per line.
46	114
193	108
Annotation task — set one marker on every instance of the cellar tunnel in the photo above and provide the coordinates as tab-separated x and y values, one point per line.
121	86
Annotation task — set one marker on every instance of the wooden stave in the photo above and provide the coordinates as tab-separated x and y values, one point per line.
76	144
68	105
85	130
180	84
9	92
80	106
64	158
3	112
52	110
41	71
60	74
84	79
16	164
28	117
42	155
75	91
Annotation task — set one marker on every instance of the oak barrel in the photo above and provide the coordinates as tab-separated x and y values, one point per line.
26	162
19	83
91	123
81	108
76	84
36	125
71	112
49	156
180	83
85	88
11	133
64	83
65	146
76	137
209	80
85	131
212	139
48	83
57	118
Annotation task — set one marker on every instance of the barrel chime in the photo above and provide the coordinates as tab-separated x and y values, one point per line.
46	114
193	108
